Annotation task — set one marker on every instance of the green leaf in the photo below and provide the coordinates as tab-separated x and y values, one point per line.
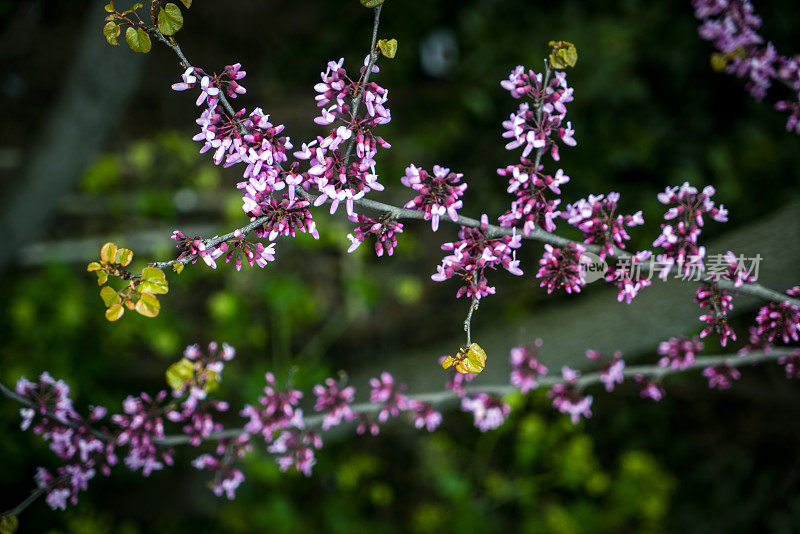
153	281
170	19
115	312
187	3
564	54
148	305
136	6
109	296
138	40
388	47
371	3
124	256
94	266
109	250
102	277
179	373
109	7
111	32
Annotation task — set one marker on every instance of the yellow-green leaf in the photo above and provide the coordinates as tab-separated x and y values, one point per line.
109	296
138	40
109	250
153	281
115	312
94	266
136	6
177	267
109	7
447	362
564	54
187	3
170	19
388	47
124	256
111	32
102	277
8	524
371	3
179	373
148	305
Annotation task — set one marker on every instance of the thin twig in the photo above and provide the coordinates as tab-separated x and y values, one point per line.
38	492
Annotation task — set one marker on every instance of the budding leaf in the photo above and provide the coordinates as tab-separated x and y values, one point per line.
177	267
564	54
124	256
109	251
136	6
109	296
138	40
371	3
102	277
94	266
447	362
187	3
115	312
148	305
111	32
153	281
179	373
388	47
109	7
170	19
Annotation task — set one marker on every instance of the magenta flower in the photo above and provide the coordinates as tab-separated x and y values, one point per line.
525	366
532	209
295	448
567	398
626	274
384	230
610	368
285	216
561	267
385	392
718	302
721	376
473	253
779	320
336	401
599	222
791	364
489	412
679	352
140	427
279	410
424	415
437	194
648	388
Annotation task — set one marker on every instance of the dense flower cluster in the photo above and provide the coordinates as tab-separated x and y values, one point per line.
70	437
732	25
389	395
437	194
525	367
278	410
626	274
779	321
141	426
679	352
384	230
679	239
335	400
567	398
295	448
535	127
227	478
473	253
599	222
610	368
562	267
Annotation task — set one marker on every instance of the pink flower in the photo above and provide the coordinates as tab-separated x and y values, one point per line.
525	366
488	411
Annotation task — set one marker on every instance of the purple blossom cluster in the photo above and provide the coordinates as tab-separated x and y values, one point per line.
732	25
69	436
525	366
649	388
779	321
335	400
679	352
596	217
679	239
141	427
535	127
610	368
237	249
626	275
721	376
488	411
718	302
562	267
567	398
437	194
227	477
384	229
473	253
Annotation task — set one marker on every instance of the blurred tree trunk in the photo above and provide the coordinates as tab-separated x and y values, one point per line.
101	80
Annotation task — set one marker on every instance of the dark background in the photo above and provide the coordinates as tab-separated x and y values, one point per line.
648	112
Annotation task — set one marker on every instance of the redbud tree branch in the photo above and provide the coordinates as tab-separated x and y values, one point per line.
398	213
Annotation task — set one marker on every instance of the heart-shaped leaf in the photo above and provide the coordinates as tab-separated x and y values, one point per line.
170	19
111	32
148	305
138	40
